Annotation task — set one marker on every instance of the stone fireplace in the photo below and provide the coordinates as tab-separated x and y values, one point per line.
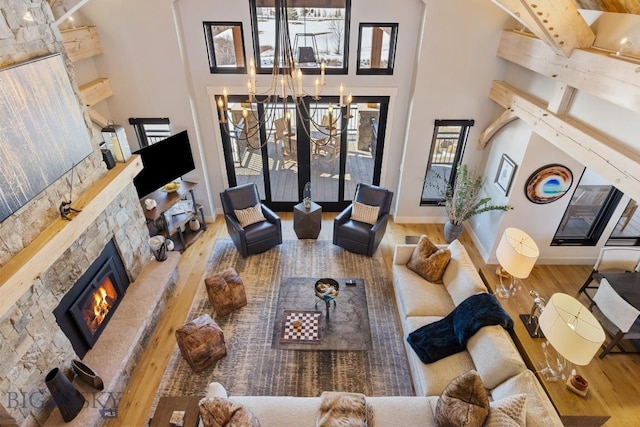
39	259
87	307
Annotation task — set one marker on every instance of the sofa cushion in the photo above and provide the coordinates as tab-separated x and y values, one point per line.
464	402
221	412
540	410
364	213
401	411
508	412
431	379
250	215
461	277
495	356
429	261
418	297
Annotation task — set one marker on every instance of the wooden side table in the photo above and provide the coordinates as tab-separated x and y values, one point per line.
307	222
574	410
166	406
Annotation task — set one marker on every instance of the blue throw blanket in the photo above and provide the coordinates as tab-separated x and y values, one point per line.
449	335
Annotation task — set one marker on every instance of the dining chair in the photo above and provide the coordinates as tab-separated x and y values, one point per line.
289	141
618	318
612	259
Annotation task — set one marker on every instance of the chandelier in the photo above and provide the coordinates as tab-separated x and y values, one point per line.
285	88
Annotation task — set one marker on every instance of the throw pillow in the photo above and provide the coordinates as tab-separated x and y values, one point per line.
510	411
429	261
364	213
464	402
221	412
250	215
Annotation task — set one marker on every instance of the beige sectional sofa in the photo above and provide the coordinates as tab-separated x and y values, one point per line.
490	351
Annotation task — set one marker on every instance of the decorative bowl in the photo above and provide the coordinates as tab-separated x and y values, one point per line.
327	289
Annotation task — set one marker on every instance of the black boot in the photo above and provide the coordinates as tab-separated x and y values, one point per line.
87	375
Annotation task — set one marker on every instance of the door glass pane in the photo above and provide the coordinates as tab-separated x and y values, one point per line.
246	145
363	141
585	207
283	152
325	134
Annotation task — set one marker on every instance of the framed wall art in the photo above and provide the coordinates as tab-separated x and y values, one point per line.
548	183
42	131
504	176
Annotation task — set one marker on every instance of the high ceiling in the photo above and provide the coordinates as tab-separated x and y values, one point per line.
619	6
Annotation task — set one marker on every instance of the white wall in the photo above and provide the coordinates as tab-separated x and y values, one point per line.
455	68
142	59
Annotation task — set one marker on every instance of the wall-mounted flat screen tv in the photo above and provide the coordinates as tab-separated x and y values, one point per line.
163	162
42	130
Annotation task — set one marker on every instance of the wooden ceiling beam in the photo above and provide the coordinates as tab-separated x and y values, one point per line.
557	22
613	161
594	71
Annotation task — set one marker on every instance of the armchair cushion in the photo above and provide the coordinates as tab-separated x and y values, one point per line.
365	213
250	215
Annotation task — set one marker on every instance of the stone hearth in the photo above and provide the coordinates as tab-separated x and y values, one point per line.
122	342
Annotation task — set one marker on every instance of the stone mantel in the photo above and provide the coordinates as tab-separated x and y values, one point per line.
18	275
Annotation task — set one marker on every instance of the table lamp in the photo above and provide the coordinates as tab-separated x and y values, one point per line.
517	253
572	331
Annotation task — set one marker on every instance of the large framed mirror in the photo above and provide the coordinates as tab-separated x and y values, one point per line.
376	48
225	46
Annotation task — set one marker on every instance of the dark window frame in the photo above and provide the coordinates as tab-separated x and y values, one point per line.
392	49
141	133
307	70
208	35
457	159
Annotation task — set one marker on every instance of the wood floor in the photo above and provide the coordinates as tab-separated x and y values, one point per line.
614	378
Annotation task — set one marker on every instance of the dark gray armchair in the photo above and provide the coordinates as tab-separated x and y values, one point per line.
360	237
253	238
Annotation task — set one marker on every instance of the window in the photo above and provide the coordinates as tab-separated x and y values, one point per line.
588	212
376	48
319	32
225	46
150	131
627	230
447	145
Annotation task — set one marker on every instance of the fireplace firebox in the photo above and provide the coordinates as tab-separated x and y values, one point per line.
86	308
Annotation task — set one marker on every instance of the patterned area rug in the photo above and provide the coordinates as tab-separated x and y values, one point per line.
252	367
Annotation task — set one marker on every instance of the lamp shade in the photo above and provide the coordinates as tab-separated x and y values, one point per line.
571	329
517	252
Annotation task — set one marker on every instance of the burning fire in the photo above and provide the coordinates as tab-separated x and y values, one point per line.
99	304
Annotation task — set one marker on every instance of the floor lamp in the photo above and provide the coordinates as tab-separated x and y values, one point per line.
517	253
572	330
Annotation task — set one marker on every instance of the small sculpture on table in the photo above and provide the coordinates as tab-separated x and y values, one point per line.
327	290
307	195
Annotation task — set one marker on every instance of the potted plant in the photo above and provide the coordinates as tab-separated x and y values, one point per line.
462	201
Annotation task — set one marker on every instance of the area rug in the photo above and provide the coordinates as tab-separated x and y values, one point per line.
253	367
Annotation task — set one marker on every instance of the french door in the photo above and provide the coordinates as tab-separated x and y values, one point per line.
283	146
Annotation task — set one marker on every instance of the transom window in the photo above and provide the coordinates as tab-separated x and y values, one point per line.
319	31
447	145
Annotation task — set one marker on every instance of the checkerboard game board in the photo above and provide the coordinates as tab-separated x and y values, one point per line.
309	331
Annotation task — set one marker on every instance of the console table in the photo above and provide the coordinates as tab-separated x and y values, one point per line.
160	220
574	410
